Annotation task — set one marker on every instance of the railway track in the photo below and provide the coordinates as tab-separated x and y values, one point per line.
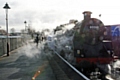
62	69
70	70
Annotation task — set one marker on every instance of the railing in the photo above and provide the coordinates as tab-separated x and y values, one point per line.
14	43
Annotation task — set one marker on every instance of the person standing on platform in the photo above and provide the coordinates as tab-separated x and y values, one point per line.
37	40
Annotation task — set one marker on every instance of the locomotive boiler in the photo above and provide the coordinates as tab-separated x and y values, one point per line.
89	44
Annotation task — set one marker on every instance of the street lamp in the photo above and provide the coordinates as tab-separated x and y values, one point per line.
25	24
7	7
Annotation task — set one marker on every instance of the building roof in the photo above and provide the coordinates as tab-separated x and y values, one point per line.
3	32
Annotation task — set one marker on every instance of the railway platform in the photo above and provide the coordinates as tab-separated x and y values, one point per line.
30	63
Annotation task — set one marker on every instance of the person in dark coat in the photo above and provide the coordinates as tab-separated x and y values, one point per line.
37	39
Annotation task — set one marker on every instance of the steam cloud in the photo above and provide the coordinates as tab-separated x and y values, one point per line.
31	50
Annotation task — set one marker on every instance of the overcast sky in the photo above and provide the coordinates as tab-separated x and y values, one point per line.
42	14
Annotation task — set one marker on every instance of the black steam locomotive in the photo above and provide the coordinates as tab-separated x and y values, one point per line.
89	44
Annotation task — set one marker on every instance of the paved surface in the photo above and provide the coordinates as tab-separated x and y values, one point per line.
25	63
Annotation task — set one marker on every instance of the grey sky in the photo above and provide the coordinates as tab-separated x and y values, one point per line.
41	14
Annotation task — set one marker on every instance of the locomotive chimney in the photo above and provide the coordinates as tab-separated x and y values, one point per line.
87	15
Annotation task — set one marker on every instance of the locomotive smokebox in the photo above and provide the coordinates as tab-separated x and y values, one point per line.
87	15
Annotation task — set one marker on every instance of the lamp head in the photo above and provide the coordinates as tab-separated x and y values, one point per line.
6	6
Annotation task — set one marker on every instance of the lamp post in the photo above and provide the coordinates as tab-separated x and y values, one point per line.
7	7
25	24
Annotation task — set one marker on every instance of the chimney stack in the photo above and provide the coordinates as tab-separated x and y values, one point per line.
87	15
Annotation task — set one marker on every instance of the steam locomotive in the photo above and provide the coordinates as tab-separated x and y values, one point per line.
89	43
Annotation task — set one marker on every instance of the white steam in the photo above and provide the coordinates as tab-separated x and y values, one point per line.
31	50
117	64
63	42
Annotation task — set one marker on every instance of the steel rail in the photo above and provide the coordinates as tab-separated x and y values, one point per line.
86	78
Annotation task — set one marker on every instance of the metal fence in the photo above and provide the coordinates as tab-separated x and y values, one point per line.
14	43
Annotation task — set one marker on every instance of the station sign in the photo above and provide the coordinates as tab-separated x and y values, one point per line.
115	29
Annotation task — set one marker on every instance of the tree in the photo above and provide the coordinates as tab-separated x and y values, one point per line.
12	31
